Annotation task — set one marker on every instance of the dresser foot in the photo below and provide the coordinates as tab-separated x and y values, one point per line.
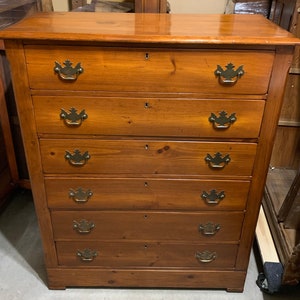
56	287
235	290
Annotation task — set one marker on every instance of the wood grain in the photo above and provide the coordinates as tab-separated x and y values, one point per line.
147	225
125	116
146	157
137	70
173	29
156	164
147	193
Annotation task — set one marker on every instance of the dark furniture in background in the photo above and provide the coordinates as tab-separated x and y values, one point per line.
282	196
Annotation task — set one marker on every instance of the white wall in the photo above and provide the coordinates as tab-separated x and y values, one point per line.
177	6
60	5
198	6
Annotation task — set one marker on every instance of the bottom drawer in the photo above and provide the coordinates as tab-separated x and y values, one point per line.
146	254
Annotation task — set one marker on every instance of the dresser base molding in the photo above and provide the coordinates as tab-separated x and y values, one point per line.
232	281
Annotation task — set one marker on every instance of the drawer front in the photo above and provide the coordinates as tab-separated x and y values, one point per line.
148	117
148	70
146	193
146	254
163	226
146	157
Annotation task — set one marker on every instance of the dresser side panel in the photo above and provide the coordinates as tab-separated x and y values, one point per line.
282	63
15	54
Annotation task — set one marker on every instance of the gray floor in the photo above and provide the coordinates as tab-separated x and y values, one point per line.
22	273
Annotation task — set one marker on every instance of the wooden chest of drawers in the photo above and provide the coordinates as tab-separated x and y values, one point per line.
148	139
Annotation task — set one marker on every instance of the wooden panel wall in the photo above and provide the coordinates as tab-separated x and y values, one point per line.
286	153
151	6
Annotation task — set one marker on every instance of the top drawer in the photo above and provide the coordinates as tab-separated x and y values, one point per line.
148	70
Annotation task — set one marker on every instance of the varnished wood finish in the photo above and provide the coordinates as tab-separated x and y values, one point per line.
148	81
150	6
161	226
154	116
149	157
147	254
233	281
273	106
188	30
138	69
147	193
15	53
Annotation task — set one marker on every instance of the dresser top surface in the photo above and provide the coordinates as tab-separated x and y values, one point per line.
150	28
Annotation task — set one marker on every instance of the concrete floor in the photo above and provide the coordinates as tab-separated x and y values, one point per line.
23	277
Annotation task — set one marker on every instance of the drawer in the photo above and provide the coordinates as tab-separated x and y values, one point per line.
147	70
148	116
146	193
163	226
84	156
146	254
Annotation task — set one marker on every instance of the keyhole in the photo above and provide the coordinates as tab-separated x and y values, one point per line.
146	147
147	105
147	56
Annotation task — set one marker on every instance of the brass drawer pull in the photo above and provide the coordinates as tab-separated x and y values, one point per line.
83	226
213	197
206	256
229	76
209	229
222	121
217	162
87	255
72	118
67	72
77	159
80	196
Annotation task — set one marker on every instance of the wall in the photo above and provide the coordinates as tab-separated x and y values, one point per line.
197	6
177	6
60	5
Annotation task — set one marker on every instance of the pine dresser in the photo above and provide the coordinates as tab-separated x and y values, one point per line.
148	139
